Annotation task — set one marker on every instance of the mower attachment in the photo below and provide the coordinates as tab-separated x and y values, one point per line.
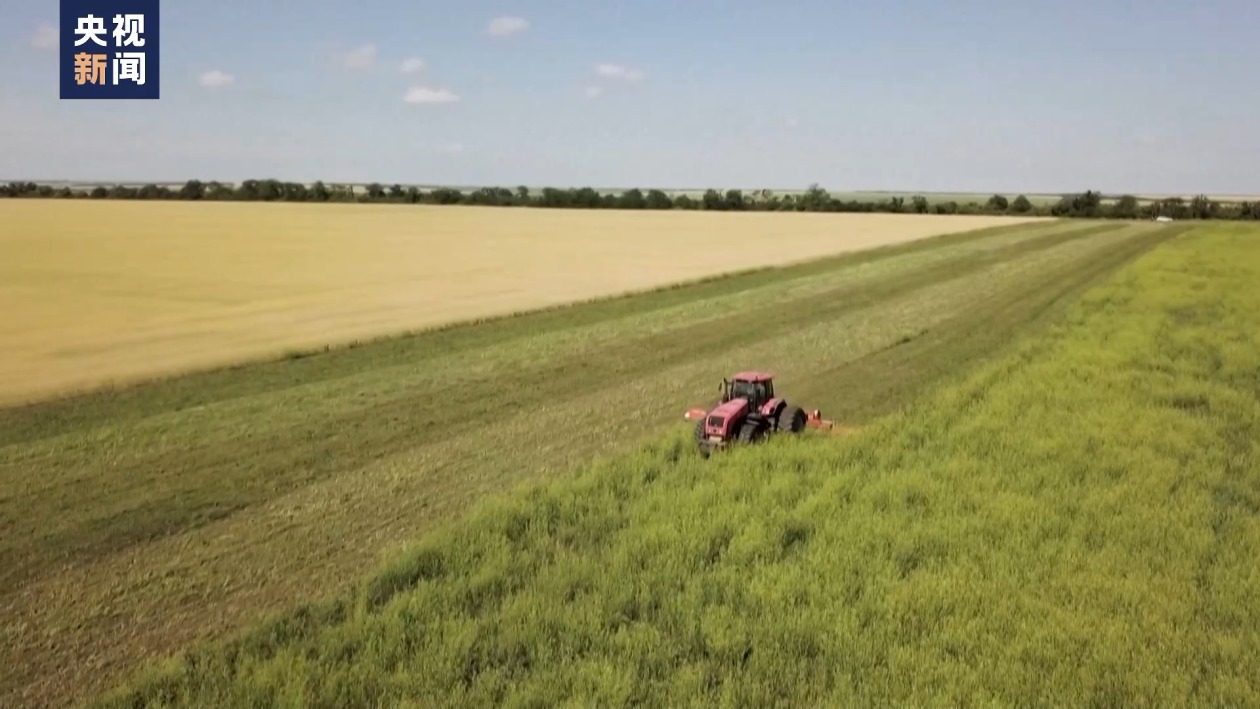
815	420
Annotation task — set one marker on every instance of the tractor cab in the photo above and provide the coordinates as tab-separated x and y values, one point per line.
756	387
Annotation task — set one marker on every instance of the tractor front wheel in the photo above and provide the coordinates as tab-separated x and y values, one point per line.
701	440
751	432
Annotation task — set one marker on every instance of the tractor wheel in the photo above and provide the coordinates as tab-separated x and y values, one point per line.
701	443
791	420
750	432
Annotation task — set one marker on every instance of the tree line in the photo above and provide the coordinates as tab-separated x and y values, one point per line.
1088	204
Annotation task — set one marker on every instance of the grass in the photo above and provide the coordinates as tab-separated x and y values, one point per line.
1071	524
139	520
113	292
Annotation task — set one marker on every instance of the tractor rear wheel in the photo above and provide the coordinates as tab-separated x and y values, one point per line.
791	420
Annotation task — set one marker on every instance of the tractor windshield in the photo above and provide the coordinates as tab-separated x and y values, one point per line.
755	392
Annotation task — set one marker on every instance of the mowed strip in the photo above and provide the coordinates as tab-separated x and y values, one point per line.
98	292
200	503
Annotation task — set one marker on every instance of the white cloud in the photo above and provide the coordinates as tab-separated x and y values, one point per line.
424	95
619	71
214	79
451	148
411	65
504	26
593	91
45	38
362	58
792	122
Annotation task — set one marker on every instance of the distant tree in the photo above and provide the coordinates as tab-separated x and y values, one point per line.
152	191
192	189
219	191
1125	208
295	192
319	192
587	197
270	190
656	199
815	199
1201	207
1227	210
1175	207
552	197
21	189
446	195
486	196
1085	204
632	199
712	200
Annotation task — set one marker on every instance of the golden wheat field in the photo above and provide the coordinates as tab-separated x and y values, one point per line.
99	292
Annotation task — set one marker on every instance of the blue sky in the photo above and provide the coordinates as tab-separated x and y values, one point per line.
1151	96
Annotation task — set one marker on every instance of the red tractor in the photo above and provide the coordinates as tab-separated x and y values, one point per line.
747	412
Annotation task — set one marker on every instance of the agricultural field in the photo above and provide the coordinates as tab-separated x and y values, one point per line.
137	521
97	293
1069	519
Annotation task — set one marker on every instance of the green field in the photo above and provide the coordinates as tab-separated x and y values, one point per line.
139	521
1072	524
